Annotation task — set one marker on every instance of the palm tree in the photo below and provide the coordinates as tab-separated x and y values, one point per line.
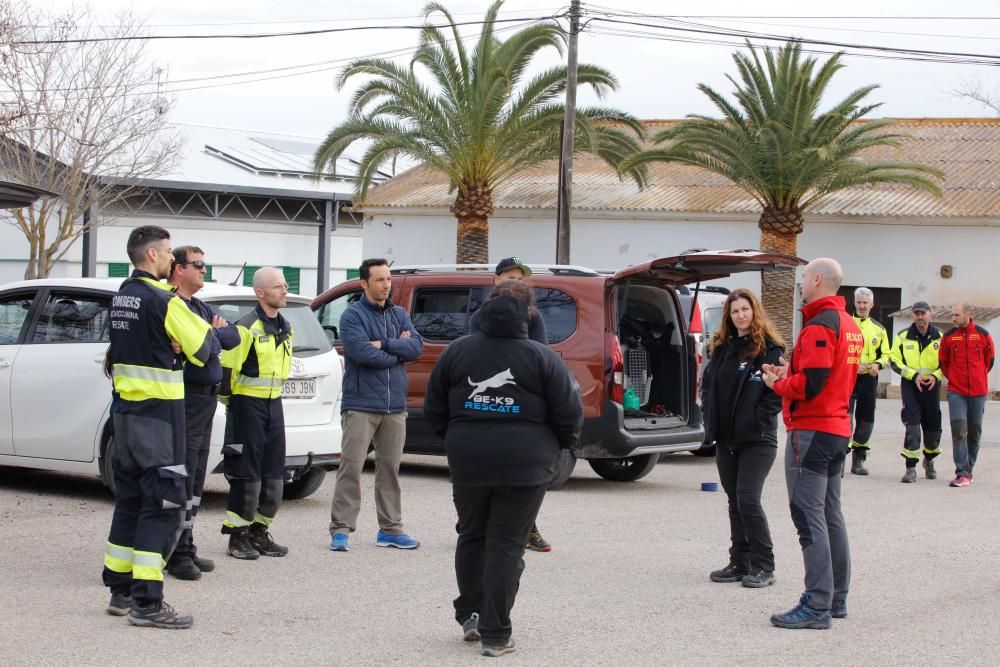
474	120
775	144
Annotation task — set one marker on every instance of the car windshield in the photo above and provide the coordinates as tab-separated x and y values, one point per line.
309	337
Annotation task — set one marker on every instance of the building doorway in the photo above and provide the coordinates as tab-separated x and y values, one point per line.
887	300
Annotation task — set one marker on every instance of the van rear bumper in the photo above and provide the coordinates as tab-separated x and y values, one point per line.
605	437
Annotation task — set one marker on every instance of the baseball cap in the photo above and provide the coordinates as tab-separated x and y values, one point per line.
920	306
513	263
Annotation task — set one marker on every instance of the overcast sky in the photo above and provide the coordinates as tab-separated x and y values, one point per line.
658	78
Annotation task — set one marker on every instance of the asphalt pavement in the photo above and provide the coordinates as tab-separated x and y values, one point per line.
626	583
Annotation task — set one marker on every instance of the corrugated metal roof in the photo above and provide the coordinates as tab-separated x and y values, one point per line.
966	149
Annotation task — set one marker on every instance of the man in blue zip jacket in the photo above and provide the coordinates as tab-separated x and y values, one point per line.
379	339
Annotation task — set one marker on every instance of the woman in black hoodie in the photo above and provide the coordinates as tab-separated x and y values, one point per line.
741	417
505	405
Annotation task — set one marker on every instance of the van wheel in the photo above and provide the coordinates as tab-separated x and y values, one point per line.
625	470
107	470
705	450
565	463
305	486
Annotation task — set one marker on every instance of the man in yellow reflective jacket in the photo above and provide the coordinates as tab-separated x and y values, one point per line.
914	356
254	451
874	357
152	333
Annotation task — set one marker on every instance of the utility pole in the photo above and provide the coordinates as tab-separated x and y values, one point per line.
566	154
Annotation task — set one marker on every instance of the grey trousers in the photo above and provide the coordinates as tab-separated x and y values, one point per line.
388	433
813	464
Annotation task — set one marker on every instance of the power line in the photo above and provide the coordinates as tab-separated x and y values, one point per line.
689	39
267	35
392	53
877	32
979	58
801	17
337	20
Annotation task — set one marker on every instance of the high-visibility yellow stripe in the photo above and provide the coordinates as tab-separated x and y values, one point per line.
234	520
138	383
148	566
932	451
260	518
911	453
118	559
259	382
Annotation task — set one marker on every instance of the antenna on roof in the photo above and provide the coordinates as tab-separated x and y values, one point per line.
237	278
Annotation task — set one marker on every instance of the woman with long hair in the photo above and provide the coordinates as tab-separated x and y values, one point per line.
741	417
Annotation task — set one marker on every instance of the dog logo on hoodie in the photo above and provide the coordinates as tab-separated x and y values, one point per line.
500	379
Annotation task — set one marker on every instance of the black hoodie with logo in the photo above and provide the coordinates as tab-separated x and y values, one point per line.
739	409
504	404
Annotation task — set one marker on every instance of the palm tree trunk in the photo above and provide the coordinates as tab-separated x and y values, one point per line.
473	207
473	240
778	287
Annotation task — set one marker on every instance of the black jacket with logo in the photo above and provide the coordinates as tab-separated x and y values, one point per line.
744	413
504	404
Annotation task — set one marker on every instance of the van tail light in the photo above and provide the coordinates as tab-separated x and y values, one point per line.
696	327
613	357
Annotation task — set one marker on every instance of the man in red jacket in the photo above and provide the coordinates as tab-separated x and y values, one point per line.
966	357
816	390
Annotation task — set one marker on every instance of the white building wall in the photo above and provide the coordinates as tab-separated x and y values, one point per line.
227	245
881	253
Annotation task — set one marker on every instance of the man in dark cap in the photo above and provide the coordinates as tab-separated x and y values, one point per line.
914	356
512	268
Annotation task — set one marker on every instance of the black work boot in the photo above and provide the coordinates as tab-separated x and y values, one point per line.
910	476
120	604
729	574
929	471
240	547
158	615
203	564
182	567
260	539
858	457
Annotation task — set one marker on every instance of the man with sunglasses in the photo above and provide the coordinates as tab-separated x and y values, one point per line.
201	389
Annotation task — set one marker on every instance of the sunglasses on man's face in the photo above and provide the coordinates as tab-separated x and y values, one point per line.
198	264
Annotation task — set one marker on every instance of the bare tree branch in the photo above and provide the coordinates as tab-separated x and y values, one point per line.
75	118
973	89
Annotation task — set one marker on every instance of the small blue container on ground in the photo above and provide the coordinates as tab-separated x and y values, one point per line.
709	486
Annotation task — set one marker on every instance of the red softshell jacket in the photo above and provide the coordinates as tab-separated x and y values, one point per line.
817	389
966	357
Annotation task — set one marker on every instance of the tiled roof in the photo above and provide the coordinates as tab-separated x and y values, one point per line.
966	149
943	313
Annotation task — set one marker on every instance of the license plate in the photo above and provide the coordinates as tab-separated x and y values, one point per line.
299	388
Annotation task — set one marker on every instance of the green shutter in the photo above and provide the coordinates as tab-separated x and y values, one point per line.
208	273
248	275
292	278
118	269
353	273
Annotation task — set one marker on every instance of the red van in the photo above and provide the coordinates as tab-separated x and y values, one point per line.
622	334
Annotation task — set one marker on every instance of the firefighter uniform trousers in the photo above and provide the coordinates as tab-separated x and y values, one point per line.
921	411
254	461
150	499
199	410
862	408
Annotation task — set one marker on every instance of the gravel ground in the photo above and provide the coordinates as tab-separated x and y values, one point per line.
627	582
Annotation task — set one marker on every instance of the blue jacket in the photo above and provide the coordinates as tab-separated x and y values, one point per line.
375	379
